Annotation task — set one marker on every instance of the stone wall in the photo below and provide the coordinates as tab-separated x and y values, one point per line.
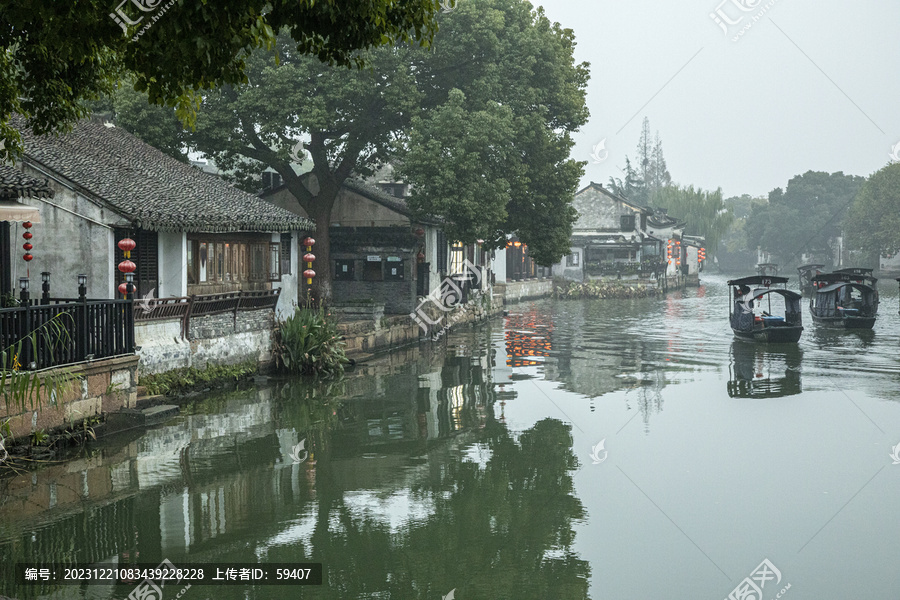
92	388
518	291
218	339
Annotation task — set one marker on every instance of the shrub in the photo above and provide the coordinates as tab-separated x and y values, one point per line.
186	379
309	344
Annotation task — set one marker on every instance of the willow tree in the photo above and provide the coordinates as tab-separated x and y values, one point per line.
54	56
705	212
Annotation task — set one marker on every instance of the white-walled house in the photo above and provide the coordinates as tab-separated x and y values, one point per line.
609	235
195	233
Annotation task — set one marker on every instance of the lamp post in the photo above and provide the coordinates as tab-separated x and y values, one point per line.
45	287
23	290
82	286
129	285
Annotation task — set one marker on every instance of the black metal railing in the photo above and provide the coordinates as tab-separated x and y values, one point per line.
60	332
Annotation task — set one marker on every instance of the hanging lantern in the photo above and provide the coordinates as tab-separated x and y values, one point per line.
308	242
309	257
419	232
126	245
27	257
309	274
123	288
126	266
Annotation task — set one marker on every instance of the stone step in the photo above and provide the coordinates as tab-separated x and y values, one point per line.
130	418
148	401
159	413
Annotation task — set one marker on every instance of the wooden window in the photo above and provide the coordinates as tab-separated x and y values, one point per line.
572	260
627	222
258	267
456	258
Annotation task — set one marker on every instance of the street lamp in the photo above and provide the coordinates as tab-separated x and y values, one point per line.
23	290
45	287
82	286
129	284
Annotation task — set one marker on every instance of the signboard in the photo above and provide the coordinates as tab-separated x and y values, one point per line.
393	259
371	258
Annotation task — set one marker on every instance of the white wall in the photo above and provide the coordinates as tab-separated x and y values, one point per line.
74	236
288	299
500	265
172	261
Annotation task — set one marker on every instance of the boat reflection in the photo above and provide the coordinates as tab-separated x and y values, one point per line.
760	372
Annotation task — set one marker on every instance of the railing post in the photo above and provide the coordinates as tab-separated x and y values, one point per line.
129	326
81	330
186	321
237	304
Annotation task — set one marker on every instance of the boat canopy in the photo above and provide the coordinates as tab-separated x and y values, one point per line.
758	280
850	284
810	267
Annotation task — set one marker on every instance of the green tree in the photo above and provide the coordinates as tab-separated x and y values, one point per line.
873	220
705	212
56	56
514	69
803	218
643	183
517	73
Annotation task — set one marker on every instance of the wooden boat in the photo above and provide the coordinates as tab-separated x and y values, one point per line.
752	315
846	299
758	371
806	273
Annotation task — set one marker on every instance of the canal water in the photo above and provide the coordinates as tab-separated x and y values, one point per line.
574	449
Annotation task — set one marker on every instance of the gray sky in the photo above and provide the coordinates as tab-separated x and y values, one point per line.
809	86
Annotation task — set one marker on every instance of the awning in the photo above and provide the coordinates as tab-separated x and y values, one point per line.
10	210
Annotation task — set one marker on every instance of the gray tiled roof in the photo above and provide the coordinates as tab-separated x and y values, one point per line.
150	188
16	184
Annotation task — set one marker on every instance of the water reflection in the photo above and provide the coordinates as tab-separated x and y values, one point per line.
410	485
761	371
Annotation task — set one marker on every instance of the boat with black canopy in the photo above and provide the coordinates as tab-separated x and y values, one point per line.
806	273
846	299
760	312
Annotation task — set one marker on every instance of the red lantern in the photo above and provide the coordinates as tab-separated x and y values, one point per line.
126	245
309	273
27	246
27	224
27	235
419	232
309	257
27	257
308	241
126	266
123	288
